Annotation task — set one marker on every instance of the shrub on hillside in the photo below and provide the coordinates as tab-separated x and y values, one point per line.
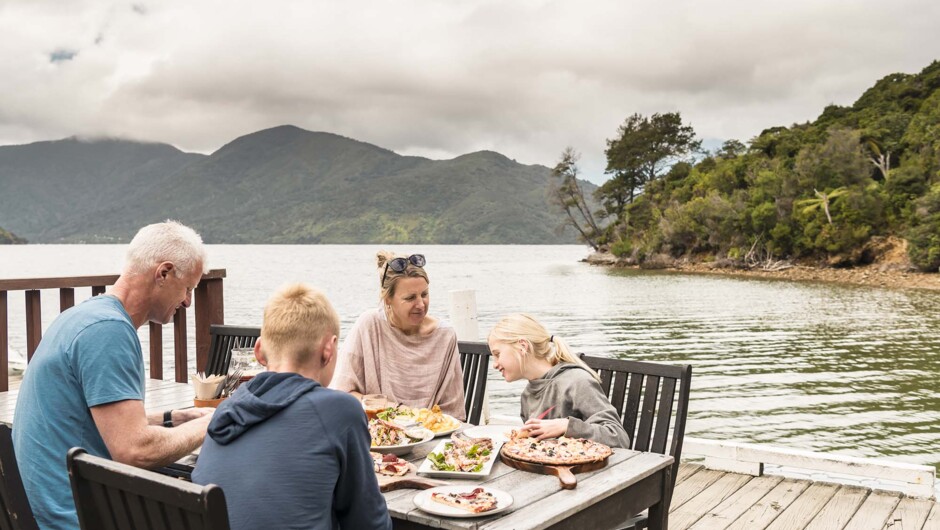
924	235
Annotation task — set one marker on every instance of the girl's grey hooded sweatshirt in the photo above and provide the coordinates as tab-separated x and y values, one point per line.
576	395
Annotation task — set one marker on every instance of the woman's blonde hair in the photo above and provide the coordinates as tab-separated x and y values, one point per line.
387	288
296	318
552	348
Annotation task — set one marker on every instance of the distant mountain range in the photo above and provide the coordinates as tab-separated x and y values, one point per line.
280	185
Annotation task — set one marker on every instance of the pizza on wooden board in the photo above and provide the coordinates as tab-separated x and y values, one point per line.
476	501
389	465
561	451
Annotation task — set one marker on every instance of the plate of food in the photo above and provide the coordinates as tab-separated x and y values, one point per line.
432	419
463	501
461	457
499	433
387	437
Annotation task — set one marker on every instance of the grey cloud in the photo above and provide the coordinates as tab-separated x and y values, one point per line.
444	78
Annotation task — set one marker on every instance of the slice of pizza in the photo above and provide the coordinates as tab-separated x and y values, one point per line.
389	465
476	501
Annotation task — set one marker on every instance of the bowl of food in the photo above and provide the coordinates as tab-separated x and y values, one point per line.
388	437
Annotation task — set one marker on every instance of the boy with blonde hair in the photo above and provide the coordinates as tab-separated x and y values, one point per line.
287	451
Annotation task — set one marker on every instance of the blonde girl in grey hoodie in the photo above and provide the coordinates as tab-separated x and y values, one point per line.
559	383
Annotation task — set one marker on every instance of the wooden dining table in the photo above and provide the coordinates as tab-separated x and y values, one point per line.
631	482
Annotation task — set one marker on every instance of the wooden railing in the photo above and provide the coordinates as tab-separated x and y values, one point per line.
207	303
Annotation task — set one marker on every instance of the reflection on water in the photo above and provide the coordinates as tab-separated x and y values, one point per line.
804	365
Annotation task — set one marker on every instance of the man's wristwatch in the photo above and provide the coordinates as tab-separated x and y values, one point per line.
168	418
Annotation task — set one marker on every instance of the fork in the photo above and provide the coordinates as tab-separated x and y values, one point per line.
231	381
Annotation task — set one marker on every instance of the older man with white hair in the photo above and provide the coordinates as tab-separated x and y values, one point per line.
85	384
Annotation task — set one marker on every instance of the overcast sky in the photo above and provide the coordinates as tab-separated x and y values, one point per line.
440	78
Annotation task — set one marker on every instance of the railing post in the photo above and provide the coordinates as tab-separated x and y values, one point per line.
66	298
210	310
156	351
33	322
4	345
179	345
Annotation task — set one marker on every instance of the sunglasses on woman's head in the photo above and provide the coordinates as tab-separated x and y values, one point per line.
400	264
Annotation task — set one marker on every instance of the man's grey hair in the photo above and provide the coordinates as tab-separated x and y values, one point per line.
168	241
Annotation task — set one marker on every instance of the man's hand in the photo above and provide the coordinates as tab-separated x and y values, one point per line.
542	429
181	416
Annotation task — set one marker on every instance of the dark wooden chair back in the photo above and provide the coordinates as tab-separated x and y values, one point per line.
223	339
652	400
113	496
475	362
17	514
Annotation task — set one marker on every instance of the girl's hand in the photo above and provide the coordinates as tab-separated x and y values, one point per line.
542	429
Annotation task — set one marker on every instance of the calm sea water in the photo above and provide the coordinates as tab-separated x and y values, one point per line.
814	366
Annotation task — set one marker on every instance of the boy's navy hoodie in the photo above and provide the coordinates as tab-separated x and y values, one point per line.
289	453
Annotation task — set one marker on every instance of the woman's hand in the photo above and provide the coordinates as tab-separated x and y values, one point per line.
542	429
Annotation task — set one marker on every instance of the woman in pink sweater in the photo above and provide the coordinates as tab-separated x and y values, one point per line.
398	349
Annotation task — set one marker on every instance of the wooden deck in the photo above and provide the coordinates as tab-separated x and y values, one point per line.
705	499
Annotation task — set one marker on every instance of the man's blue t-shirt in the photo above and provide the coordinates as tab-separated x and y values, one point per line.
89	356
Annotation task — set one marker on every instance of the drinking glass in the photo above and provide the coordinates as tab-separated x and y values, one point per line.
374	403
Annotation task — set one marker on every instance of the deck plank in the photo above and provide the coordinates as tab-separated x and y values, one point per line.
910	514
875	511
769	507
804	509
734	506
933	520
839	511
692	486
686	515
686	470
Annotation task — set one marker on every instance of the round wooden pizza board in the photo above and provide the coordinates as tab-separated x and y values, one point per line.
409	480
565	474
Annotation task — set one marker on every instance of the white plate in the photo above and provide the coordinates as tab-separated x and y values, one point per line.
427	467
423	501
499	433
403	448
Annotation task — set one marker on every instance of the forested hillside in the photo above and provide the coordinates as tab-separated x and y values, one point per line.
822	191
279	185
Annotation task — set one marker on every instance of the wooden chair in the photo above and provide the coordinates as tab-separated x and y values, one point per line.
223	339
649	397
17	514
113	496
475	362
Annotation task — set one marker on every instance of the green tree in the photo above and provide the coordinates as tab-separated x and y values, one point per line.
924	236
643	150
569	196
822	200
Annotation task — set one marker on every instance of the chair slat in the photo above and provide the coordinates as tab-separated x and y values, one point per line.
118	508
103	505
663	416
620	384
475	363
647	413
156	515
632	410
136	510
605	381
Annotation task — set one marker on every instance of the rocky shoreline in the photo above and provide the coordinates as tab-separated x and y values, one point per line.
875	275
